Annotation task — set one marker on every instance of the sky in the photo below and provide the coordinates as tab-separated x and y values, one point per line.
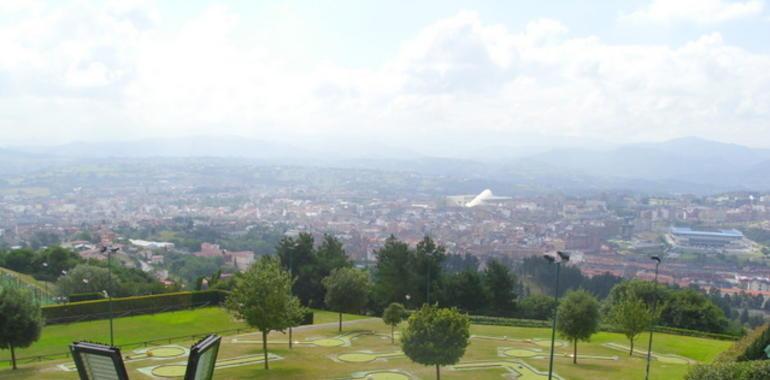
432	76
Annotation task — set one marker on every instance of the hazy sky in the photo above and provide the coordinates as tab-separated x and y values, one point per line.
403	72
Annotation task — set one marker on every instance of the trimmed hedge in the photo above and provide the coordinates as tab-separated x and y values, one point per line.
78	297
516	322
751	370
502	321
99	309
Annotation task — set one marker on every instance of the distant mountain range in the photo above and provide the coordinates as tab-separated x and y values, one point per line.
690	164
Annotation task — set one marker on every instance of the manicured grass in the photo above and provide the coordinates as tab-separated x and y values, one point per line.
129	330
308	361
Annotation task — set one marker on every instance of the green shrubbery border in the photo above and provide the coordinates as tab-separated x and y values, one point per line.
517	322
750	347
742	361
99	309
750	370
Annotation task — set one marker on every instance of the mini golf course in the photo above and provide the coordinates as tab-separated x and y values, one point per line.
364	351
520	369
367	357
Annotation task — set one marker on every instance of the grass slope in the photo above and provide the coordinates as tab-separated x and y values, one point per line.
30	281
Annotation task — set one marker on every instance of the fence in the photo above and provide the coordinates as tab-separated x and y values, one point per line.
38	294
128	306
164	340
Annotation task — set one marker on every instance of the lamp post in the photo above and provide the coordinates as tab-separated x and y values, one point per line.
45	283
563	257
110	251
654	305
291	274
427	286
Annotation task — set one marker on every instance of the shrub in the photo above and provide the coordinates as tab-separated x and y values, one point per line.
751	370
750	347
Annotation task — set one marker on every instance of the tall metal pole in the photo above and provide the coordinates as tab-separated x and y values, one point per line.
427	287
553	328
291	275
109	292
652	328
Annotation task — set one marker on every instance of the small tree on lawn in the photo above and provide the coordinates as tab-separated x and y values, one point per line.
20	320
262	297
578	318
632	316
392	316
347	291
436	336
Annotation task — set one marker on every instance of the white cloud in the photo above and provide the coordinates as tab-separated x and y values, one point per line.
119	74
697	11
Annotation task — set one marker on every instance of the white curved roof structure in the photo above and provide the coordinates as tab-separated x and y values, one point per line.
484	195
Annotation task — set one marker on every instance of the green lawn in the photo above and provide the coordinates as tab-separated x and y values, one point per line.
129	330
487	357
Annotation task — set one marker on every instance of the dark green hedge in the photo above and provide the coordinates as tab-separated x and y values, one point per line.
503	321
99	309
78	297
751	370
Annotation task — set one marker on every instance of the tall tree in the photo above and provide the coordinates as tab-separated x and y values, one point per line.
393	273
690	309
392	316
20	320
436	337
465	291
86	278
330	255
632	316
428	257
347	291
262	297
501	288
578	318
298	257
537	306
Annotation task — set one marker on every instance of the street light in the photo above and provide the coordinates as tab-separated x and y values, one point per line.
109	292
563	257
654	305
45	283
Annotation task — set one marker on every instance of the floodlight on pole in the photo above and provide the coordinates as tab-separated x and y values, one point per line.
109	285
563	257
98	362
654	306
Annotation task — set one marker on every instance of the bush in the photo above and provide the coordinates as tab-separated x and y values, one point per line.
99	309
750	347
307	318
751	370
